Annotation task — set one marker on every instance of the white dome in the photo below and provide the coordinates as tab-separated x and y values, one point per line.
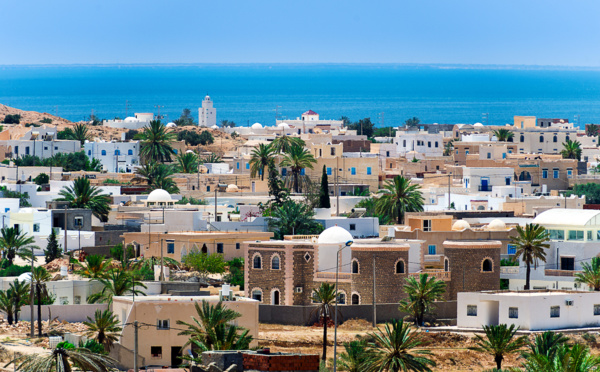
257	126
283	125
171	125
335	235
130	118
159	195
189	151
460	225
478	125
232	188
215	127
25	277
496	225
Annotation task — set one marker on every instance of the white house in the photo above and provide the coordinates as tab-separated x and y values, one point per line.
207	114
420	142
138	121
483	179
115	156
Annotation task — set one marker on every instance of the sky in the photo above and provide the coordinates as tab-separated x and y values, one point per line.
489	32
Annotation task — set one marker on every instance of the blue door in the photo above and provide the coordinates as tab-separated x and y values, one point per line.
484	184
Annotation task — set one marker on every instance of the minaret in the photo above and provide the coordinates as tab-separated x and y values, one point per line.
207	114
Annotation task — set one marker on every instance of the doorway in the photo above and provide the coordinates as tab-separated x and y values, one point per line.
175	356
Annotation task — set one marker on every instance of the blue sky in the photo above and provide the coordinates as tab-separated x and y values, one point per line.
515	32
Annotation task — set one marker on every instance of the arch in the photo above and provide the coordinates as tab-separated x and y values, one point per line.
256	294
130	152
487	265
355	298
257	261
541	138
355	266
525	176
400	267
555	138
446	265
275	296
342	297
275	262
204	249
481	208
522	138
103	152
117	152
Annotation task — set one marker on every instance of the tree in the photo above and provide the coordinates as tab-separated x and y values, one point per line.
236	272
157	176
590	190
96	266
19	292
80	133
384	132
324	201
191	137
38	280
370	205
392	349
363	127
345	121
449	148
284	143
187	162
546	344
204	263
7	305
354	358
64	359
185	119
262	157
576	358
412	122
41	179
22	196
571	150
212	158
52	250
590	274
278	193
499	341
156	142
504	135
293	218
117	283
206	138
422	294
298	158
531	244
324	297
398	197
592	130
227	124
12	119
83	195
104	328
15	243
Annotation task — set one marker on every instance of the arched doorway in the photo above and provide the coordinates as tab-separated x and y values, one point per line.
204	249
275	297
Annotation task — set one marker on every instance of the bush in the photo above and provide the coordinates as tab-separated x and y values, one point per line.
508	262
206	138
32	125
116	252
12	119
184	200
236	272
93	346
65	345
41	179
15	270
46	121
6	161
190	137
47	298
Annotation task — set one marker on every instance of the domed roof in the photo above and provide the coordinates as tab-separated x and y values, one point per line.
159	195
335	235
130	118
189	152
232	188
460	225
496	225
283	125
257	126
171	125
478	125
214	127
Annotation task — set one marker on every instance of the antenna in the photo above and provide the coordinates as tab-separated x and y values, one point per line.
127	105
158	107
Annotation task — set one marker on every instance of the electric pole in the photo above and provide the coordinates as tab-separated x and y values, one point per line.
374	298
158	107
135	346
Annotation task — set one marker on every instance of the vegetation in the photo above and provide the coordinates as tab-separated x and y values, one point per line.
22	196
298	158
64	359
187	162
363	127
80	133
19	292
285	143
324	201
191	200
370	205
157	176
293	218
117	283
46	121
95	266
227	123
41	179
393	349
575	358
571	150
399	197
38	279
69	162
14	270
185	119
52	250
499	341
212	158
236	272
531	244
262	157
15	243
545	344
504	135
354	358
156	142
277	191
325	297
206	138
12	119
590	275
590	190
83	195
384	132
449	148
204	263
104	328
412	122
422	294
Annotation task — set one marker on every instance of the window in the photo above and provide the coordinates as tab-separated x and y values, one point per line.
431	249
403	143
555	173
489	155
466	152
352	227
355	299
567	263
302	172
596	309
275	297
329	171
513	312
522	138
541	139
557	234
307	257
590	236
117	152
237	245
77	300
436	144
89	151
78	221
507	181
569	173
219	247
284	172
162	324
170	246
156	352
247	165
369	171
471	310
333	151
275	263
575	235
257	295
400	267
544	173
36	227
103	152
555	312
130	152
511	249
487	265
355	267
257	262
207	188
387	154
341	298
353	171
175	151
428	143
555	138
566	138
426	225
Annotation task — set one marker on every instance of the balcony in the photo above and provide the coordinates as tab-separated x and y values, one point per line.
328	276
433	258
485	188
510	270
552	272
438	274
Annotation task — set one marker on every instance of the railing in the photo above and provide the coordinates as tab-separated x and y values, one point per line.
552	272
485	188
433	257
299	237
509	269
438	274
328	275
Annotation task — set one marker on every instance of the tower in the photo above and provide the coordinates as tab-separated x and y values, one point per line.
207	114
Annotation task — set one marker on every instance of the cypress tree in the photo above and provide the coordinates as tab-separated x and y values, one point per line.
52	250
324	192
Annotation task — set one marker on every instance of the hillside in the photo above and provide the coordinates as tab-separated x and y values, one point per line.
31	116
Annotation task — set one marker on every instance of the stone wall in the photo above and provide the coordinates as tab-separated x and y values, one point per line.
388	284
304	270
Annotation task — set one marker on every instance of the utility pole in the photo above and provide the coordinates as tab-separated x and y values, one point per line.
449	203
66	250
158	107
135	346
216	189
374	298
31	299
277	113
126	107
162	270
337	192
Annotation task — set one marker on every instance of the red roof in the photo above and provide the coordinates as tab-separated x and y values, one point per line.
310	112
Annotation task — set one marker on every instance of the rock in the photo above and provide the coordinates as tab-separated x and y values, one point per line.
193	279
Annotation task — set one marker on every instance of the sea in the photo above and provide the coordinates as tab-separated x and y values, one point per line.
248	93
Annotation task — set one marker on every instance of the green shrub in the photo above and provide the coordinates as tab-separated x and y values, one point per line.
46	121
93	346
65	345
508	262
12	119
41	179
14	270
6	161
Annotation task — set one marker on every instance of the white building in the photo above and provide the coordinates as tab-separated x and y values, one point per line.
483	179
531	310
138	121
310	122
420	142
115	156
207	114
40	148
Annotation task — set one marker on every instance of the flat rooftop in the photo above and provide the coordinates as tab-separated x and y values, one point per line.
170	298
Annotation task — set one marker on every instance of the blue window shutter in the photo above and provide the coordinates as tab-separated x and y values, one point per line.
368	170
247	165
329	171
302	172
353	171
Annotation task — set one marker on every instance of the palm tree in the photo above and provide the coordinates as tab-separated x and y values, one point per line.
284	143
80	133
293	218
499	341
212	158
63	359
504	135
83	195
592	130
262	156
212	329
156	142
298	158
449	148
38	281
399	197
325	297
576	358
157	176
116	283
422	294
590	274
571	150
7	305
187	162
19	292
95	266
392	349
546	344
15	243
531	244
104	328
354	358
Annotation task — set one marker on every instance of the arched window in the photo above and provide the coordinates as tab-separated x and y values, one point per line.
487	265
341	298
446	265
400	267
354	266
355	299
275	263
257	262
89	152
130	152
204	249
522	139
103	152
566	138
117	152
275	297
257	294
555	138
541	139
